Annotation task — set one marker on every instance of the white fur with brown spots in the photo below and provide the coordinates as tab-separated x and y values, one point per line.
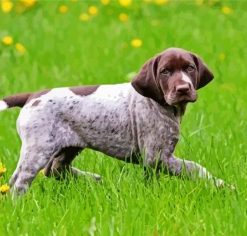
132	121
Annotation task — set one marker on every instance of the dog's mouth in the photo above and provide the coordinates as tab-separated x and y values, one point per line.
177	99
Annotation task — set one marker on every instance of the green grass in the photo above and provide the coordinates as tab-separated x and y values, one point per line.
64	51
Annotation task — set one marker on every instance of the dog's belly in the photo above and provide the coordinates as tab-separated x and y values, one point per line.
113	139
103	126
121	153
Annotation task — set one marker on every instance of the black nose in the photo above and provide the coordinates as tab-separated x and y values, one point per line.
183	88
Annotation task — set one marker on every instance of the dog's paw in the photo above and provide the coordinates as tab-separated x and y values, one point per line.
219	183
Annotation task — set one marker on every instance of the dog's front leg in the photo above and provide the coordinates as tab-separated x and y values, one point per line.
191	169
164	160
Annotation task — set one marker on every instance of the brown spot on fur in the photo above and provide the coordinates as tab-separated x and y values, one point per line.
36	103
38	94
17	100
84	90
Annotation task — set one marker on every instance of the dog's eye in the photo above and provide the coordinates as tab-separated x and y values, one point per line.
190	68
165	72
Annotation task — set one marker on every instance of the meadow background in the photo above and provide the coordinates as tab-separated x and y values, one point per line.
47	44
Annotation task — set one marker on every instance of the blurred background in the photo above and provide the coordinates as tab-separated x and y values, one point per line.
60	43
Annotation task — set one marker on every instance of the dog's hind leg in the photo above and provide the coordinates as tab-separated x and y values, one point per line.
32	159
60	164
77	172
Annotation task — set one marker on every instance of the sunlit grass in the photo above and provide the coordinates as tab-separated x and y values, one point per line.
65	43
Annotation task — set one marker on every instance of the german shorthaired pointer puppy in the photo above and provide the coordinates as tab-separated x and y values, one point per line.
135	122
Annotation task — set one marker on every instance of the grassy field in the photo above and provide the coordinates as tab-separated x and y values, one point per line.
58	43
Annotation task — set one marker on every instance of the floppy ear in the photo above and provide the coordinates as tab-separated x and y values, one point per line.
145	82
204	74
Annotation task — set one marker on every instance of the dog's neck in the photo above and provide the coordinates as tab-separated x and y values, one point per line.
178	110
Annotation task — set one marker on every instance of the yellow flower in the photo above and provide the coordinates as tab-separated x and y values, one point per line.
125	3
105	2
222	56
7	40
23	5
6	6
161	2
20	48
136	43
123	17
226	10
4	188
28	3
63	9
84	17
2	169
93	10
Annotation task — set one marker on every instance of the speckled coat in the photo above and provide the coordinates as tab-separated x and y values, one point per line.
124	121
114	119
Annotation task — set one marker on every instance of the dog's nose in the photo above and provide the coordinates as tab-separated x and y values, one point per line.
183	88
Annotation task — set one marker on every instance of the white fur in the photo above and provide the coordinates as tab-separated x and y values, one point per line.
186	78
58	92
111	92
3	105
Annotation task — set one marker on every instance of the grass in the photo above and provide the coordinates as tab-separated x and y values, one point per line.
61	50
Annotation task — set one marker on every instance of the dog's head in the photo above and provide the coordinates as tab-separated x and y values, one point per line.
172	77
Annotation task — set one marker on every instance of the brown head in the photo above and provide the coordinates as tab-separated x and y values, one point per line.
172	77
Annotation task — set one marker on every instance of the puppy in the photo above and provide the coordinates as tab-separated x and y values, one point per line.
135	122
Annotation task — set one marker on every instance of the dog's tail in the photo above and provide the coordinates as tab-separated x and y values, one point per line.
18	100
